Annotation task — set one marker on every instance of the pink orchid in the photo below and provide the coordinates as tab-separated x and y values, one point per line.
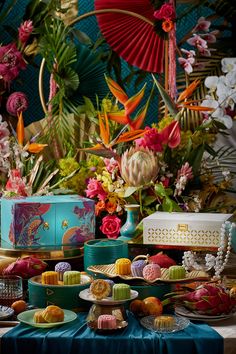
151	140
186	64
202	25
188	53
197	41
11	62
111	165
95	189
210	37
205	52
25	31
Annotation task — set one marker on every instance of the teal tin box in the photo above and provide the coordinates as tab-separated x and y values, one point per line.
47	221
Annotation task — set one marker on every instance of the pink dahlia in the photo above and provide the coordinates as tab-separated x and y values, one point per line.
11	62
17	102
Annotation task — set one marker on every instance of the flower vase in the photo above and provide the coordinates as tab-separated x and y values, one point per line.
127	231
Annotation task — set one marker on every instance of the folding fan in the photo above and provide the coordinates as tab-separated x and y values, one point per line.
131	36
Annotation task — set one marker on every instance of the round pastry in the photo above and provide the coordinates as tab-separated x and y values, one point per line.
38	318
61	268
121	292
52	314
176	272
123	266
100	289
111	283
151	271
50	278
164	322
137	268
107	322
71	277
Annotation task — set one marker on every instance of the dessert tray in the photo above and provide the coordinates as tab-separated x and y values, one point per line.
86	295
109	271
5	312
27	318
179	325
193	316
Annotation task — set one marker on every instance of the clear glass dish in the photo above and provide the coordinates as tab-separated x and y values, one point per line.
179	324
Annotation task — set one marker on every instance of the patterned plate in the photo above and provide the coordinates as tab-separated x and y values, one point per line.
5	312
86	295
182	311
109	271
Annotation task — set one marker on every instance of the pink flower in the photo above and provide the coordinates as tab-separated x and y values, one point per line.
185	173
111	165
94	189
4	132
166	12
197	41
202	25
210	37
151	140
17	102
11	62
186	64
16	184
111	225
25	31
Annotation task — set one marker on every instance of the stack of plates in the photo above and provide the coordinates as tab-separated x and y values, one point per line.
182	311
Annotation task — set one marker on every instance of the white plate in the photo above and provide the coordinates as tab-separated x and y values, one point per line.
5	312
180	324
182	311
86	295
27	317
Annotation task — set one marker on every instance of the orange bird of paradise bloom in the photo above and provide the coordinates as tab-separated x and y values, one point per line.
33	148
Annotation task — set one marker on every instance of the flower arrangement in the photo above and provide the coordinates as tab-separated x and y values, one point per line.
161	167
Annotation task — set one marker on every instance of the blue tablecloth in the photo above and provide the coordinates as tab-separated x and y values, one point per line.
76	338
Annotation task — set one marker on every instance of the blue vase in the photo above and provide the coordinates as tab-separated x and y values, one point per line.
128	229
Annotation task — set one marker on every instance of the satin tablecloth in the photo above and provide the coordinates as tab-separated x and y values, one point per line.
76	337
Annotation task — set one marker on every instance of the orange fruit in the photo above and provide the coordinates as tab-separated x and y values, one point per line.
137	307
19	306
153	306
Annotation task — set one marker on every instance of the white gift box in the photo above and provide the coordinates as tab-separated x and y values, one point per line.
185	230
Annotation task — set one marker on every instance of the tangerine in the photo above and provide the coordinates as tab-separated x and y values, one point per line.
19	306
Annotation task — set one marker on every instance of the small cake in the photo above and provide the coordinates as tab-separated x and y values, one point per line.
38	318
137	268
61	268
71	277
151	271
107	322
50	278
164	322
176	272
53	314
111	283
123	266
100	289
121	292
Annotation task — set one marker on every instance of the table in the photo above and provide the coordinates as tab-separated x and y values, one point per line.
226	328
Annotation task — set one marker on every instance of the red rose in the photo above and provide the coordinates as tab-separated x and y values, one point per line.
166	12
111	225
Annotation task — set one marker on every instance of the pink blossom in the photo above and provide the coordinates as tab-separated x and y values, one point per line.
17	102
95	189
202	25
25	31
11	62
197	41
184	174
186	64
151	140
16	184
188	53
4	132
205	52
166	12
210	37
111	165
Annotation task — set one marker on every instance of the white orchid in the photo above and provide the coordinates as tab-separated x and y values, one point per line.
228	64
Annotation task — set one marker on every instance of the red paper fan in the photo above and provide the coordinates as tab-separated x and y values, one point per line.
132	38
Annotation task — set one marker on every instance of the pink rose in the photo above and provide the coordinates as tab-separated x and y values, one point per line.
25	31
166	12
17	102
111	225
16	184
94	189
11	62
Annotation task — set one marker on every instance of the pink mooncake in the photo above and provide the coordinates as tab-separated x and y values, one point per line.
151	271
107	322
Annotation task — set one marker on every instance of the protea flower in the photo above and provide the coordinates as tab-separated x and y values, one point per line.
139	166
207	299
